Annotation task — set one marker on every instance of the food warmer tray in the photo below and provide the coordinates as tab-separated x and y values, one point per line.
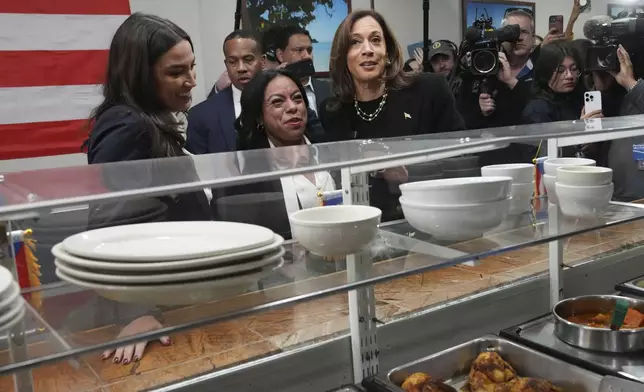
453	365
632	288
539	335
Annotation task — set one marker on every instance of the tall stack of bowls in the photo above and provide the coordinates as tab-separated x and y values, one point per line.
584	191
456	209
522	175
550	172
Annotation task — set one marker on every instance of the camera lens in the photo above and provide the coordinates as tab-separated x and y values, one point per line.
484	61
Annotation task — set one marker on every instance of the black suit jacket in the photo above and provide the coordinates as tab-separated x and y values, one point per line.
120	136
322	90
211	125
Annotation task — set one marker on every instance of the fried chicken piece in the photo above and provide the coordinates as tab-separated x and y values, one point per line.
530	385
488	371
416	382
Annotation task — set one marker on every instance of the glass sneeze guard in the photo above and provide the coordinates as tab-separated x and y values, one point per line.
398	251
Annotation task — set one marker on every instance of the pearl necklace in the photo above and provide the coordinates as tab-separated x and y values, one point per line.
369	117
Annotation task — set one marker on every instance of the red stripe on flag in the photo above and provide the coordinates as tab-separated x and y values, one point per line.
42	139
73	7
52	68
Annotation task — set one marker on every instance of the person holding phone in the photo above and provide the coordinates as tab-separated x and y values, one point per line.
293	45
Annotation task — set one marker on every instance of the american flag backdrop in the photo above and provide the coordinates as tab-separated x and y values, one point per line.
53	56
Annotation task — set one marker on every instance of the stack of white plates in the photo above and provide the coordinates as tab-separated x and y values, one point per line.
12	306
169	263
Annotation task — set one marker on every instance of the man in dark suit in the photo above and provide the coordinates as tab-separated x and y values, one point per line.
295	44
211	123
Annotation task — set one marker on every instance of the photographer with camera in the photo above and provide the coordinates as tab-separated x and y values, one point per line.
616	62
628	172
494	78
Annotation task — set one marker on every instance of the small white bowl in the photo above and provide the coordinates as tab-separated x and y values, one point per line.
521	173
453	191
584	175
335	230
455	222
550	165
549	182
584	201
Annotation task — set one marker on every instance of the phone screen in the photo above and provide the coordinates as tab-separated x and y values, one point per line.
556	22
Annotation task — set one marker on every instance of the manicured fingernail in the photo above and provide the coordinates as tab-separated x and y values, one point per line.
126	361
166	341
117	360
105	356
136	359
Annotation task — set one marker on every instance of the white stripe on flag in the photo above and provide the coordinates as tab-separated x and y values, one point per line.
56	103
57	32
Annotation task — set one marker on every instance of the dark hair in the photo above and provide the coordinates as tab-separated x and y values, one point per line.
244	34
286	33
550	58
269	41
136	47
252	106
341	79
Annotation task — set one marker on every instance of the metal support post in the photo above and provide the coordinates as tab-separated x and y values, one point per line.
555	248
23	381
362	303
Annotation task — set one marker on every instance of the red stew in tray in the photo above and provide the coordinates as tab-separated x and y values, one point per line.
634	319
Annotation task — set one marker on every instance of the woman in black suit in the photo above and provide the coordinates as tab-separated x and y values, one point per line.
375	98
274	114
150	75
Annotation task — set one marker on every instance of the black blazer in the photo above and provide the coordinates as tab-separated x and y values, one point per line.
426	106
265	201
211	125
119	136
322	90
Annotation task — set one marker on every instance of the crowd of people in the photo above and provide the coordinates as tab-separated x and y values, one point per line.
373	93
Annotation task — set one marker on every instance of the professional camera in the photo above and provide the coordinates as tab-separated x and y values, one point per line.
480	49
608	34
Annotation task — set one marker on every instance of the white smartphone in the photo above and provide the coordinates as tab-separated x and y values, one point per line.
592	101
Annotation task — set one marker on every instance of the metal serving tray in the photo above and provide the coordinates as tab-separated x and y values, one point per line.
453	365
631	287
539	334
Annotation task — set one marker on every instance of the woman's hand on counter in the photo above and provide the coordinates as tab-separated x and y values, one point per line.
134	352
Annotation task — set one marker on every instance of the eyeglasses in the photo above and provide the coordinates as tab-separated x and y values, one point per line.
574	71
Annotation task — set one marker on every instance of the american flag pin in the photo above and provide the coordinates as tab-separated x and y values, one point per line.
407	116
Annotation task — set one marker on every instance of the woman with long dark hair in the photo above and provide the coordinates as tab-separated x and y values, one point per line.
375	98
274	114
150	76
558	90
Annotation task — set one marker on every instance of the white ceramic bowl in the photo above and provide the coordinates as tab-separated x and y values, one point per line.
335	230
549	182
584	175
584	201
454	191
455	222
521	173
550	165
521	198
